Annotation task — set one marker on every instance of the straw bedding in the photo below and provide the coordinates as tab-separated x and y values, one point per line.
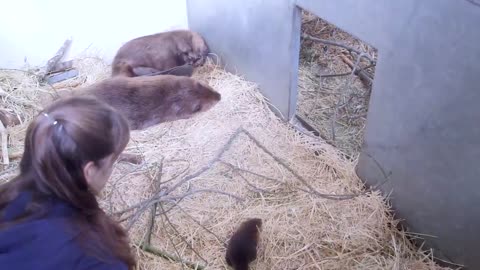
300	229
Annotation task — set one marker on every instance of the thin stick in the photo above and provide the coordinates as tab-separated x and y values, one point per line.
206	191
162	195
255	188
210	164
4	134
175	204
137	215
355	116
165	255
334	120
304	182
135	206
114	184
153	210
347	84
348	73
181	237
333	43
164	227
359	72
178	174
203	227
236	168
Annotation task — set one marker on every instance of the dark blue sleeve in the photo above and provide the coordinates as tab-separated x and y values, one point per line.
91	263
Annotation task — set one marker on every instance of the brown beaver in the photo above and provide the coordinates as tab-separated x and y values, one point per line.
242	248
151	100
160	53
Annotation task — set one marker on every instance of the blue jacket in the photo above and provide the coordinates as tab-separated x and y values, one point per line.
46	243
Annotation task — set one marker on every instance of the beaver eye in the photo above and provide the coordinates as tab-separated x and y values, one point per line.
197	108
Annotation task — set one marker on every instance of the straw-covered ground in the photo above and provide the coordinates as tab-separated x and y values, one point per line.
330	100
234	162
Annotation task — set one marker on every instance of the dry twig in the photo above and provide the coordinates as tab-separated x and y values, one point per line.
181	237
347	84
203	227
333	43
359	72
153	211
166	255
210	164
163	194
310	189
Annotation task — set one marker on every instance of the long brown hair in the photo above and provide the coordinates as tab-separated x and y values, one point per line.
59	142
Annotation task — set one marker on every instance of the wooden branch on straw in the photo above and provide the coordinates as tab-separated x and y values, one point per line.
237	170
206	191
166	255
365	77
359	72
180	235
153	210
146	244
203	227
309	189
163	196
337	44
347	84
210	164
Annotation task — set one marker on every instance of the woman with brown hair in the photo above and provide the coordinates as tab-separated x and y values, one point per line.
49	215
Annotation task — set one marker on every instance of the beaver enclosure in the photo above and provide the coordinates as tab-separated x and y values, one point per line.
200	178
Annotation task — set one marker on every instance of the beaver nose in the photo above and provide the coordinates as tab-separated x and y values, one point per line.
217	96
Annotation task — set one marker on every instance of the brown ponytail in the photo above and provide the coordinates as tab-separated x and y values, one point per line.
59	142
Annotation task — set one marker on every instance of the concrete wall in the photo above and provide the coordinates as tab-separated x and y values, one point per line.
35	30
255	38
422	126
378	23
424	106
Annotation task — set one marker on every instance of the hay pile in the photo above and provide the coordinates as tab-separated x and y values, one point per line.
301	230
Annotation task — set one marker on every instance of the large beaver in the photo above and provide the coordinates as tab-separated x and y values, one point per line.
162	52
151	100
242	248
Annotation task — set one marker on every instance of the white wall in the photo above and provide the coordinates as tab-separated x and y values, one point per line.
33	30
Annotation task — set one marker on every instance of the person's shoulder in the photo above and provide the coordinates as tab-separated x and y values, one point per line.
64	235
